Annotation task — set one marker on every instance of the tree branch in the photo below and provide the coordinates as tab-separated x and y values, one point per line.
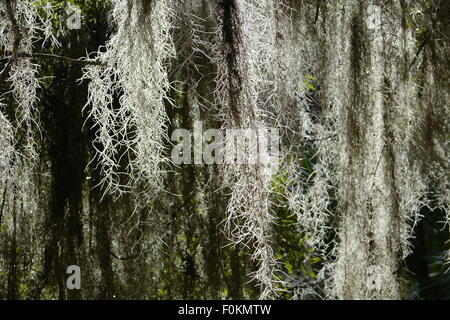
57	57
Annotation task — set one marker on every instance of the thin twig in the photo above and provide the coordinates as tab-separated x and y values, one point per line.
420	49
309	284
316	17
3	205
